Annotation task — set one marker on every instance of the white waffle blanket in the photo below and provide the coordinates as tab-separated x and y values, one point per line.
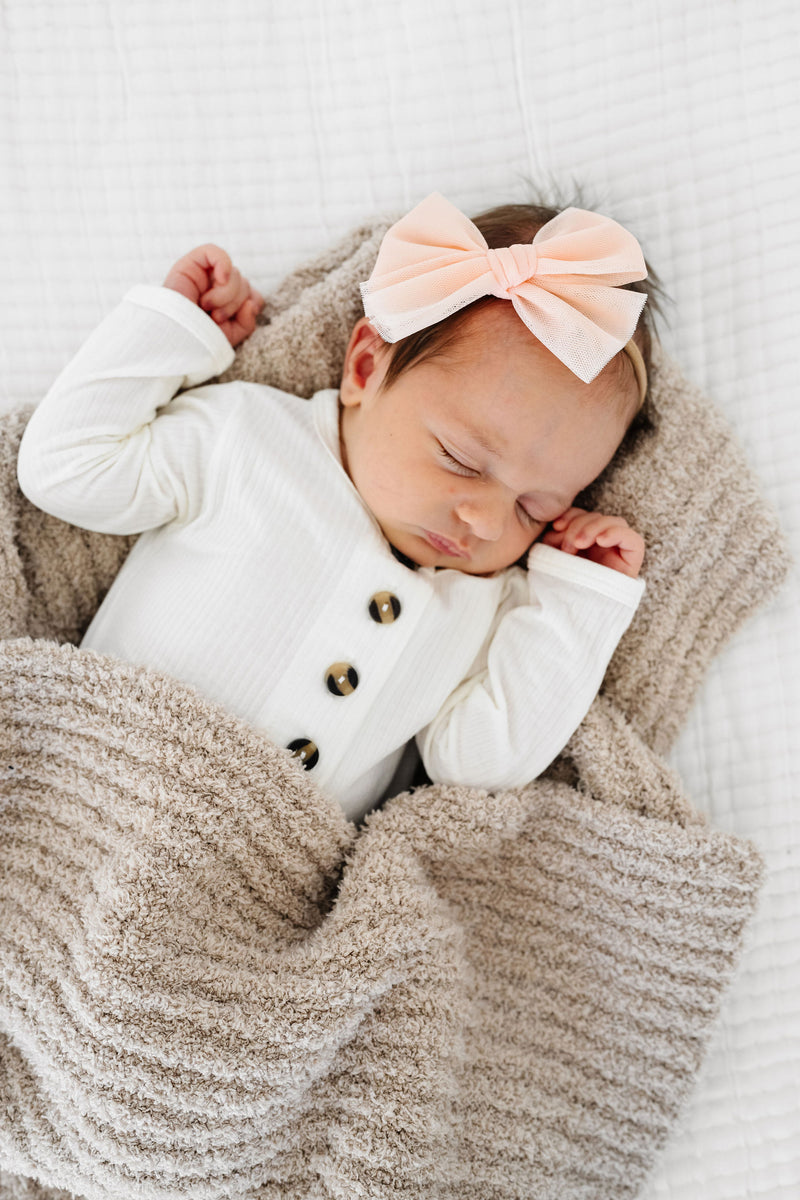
133	131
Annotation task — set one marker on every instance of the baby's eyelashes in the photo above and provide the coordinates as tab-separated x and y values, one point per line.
528	518
524	515
456	465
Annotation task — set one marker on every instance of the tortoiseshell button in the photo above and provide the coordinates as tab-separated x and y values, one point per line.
341	678
384	608
304	749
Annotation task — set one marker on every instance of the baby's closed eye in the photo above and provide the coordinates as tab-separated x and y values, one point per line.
528	518
455	464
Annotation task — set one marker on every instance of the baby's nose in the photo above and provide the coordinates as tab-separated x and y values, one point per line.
485	518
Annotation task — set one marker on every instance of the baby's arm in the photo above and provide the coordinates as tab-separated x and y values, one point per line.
111	447
538	671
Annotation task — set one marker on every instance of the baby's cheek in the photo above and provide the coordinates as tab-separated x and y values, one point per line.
386	488
380	487
536	534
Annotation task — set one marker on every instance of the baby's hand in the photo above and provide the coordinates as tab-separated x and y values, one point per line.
609	541
207	277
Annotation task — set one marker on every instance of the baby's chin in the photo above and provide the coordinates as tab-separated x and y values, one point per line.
418	551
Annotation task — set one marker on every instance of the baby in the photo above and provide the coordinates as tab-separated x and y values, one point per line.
344	573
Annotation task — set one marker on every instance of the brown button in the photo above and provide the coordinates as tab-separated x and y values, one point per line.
304	749
384	608
341	678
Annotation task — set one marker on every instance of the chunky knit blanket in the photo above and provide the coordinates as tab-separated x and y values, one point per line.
212	985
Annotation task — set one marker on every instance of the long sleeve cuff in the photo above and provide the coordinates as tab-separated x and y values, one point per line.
193	319
547	560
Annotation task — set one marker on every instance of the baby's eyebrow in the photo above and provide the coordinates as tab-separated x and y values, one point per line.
483	439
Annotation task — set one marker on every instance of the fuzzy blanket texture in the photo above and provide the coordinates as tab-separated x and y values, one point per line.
213	986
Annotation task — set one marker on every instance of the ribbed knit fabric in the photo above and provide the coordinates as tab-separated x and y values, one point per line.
212	985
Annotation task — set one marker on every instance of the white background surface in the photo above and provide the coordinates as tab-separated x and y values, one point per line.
131	131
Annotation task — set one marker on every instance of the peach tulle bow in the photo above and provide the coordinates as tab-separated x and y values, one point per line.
563	284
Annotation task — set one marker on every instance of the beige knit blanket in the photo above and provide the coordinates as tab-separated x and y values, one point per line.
212	985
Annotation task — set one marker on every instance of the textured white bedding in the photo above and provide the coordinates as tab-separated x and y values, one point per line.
130	132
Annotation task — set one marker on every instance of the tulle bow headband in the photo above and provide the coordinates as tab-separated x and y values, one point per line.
564	284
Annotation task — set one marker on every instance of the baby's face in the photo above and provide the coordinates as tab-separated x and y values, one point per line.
467	457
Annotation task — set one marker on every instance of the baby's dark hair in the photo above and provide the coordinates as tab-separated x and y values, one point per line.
508	225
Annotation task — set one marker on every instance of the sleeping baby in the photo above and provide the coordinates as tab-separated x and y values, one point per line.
398	560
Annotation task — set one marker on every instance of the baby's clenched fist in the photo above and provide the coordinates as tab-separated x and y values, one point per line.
207	277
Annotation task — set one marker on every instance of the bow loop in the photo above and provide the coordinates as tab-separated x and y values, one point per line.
564	285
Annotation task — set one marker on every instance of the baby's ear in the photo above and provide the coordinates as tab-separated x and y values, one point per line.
363	359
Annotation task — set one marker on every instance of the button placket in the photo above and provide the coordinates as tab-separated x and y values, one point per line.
323	711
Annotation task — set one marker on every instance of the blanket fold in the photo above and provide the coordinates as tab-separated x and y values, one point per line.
212	985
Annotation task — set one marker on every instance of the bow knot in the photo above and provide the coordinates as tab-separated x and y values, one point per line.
565	284
511	266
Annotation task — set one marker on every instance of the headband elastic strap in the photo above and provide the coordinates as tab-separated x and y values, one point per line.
635	355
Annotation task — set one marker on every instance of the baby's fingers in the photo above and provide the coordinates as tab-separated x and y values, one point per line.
242	324
214	262
192	274
618	546
226	298
616	535
581	531
222	310
569	514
